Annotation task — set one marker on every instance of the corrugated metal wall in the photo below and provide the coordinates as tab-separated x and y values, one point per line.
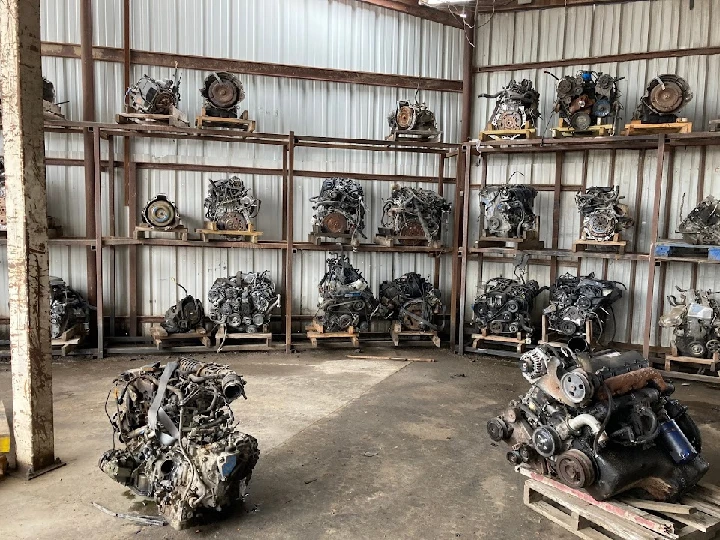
340	34
579	32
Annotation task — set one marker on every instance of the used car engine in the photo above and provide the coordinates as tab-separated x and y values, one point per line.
601	213
702	224
185	316
67	308
695	320
517	104
664	97
223	92
587	99
345	297
411	300
180	443
576	300
243	302
415	215
508	210
339	208
505	306
161	213
409	116
230	205
604	423
151	96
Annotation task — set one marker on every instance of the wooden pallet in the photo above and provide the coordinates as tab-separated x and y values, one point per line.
529	239
490	133
695	517
211	232
599	130
143	231
68	340
164	340
679	249
315	331
316	237
674	356
391	241
175	119
519	341
254	341
636	127
203	121
396	332
550	337
419	135
616	244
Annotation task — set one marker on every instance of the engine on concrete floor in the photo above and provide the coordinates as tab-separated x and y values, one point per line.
414	214
411	300
664	97
508	210
223	92
702	224
409	116
151	96
505	306
243	302
231	205
587	98
516	106
601	213
345	298
339	208
575	300
161	213
603	422
67	308
695	320
180	443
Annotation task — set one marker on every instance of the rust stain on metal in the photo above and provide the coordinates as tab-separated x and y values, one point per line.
635	380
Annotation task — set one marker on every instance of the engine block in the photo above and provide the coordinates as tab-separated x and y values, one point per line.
601	213
409	116
151	96
231	205
243	302
508	210
339	208
702	224
223	92
695	320
413	213
411	300
186	315
180	445
517	104
505	306
588	98
664	97
67	308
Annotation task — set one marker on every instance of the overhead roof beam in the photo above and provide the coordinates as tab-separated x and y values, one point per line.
486	6
412	7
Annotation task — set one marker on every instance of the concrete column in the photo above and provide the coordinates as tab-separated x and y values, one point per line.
27	246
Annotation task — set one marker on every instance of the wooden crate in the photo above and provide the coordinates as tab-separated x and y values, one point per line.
519	341
203	121
616	244
490	133
396	332
176	118
598	130
636	127
316	331
68	340
418	135
677	249
143	231
550	337
254	341
164	340
211	232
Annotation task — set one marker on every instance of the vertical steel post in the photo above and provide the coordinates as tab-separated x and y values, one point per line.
289	231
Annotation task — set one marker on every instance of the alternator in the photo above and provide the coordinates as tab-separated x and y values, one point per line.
588	98
223	92
517	104
695	322
412	300
602	215
339	208
153	96
409	116
161	213
413	213
508	210
243	302
702	224
67	308
664	97
230	204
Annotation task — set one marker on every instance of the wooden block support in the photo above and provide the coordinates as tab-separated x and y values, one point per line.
419	135
262	340
546	332
490	133
599	130
211	232
615	244
143	231
176	118
636	127
518	341
203	121
391	241
316	331
396	332
163	339
711	363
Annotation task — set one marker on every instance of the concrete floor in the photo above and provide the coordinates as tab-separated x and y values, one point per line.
349	449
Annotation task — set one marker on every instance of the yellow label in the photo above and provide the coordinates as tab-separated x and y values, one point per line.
5	444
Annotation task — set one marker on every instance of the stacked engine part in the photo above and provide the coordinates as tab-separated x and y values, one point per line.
695	320
230	204
243	302
185	316
664	96
151	96
505	305
3	207
48	91
411	300
409	116
413	213
508	210
161	213
702	224
223	92
603	422
180	443
345	298
339	208
575	300
67	308
601	213
517	104
587	99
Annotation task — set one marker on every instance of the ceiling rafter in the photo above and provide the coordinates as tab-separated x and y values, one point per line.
412	7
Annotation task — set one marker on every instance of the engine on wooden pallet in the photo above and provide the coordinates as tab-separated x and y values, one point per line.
695	320
243	302
664	97
517	104
3	207
339	208
508	210
601	213
223	92
603	422
230	204
161	213
587	98
345	297
505	305
409	116
181	445
67	308
702	224
413	213
412	300
186	315
152	96
575	300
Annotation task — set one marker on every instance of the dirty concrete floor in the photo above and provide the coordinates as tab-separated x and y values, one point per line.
349	449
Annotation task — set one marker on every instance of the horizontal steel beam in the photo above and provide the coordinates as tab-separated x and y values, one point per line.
415	9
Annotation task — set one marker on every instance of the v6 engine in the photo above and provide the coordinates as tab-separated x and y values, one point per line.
243	302
413	214
339	208
411	300
508	210
505	305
